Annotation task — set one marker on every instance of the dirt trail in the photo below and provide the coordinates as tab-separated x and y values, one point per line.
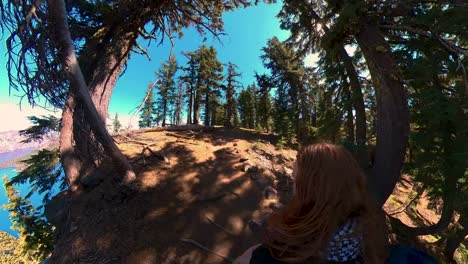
209	188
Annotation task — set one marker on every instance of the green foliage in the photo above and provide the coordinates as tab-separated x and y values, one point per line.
264	106
148	111
42	172
288	78
36	234
167	90
232	119
247	107
42	126
116	125
10	251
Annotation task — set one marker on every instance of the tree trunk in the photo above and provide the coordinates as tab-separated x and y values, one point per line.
178	110
356	92
67	56
164	112
70	161
356	97
207	108
196	108
190	105
349	113
392	112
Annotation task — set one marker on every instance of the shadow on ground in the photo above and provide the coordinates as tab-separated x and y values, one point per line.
176	200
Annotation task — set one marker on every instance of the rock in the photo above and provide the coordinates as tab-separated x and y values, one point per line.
276	206
270	193
255	226
245	167
252	169
162	157
235	144
288	172
260	181
243	159
237	151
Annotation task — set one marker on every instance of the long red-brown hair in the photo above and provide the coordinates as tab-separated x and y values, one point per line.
330	189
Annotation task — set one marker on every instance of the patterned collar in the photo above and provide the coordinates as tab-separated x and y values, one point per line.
345	244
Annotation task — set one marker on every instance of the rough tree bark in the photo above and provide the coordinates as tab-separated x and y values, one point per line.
392	111
79	90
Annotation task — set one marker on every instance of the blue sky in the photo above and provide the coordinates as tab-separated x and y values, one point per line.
247	32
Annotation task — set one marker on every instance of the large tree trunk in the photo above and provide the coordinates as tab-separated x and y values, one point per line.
356	96
67	56
70	161
392	112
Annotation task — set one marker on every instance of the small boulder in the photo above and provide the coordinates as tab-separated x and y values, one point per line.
255	226
252	169
276	206
288	172
243	159
270	193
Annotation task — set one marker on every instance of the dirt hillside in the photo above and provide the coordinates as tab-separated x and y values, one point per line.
198	191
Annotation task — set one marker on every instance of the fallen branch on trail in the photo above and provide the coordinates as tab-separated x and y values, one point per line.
172	128
134	141
195	243
158	155
219	226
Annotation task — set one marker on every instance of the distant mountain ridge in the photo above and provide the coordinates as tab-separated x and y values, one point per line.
11	141
12	150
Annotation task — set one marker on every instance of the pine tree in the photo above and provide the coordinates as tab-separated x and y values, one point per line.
116	124
35	233
189	78
209	81
167	90
288	77
247	109
231	104
264	103
148	111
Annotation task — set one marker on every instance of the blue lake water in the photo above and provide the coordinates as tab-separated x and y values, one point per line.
5	222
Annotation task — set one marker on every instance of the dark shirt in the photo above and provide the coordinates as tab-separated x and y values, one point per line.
261	255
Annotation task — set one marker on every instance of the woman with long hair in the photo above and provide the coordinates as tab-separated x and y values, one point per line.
330	218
